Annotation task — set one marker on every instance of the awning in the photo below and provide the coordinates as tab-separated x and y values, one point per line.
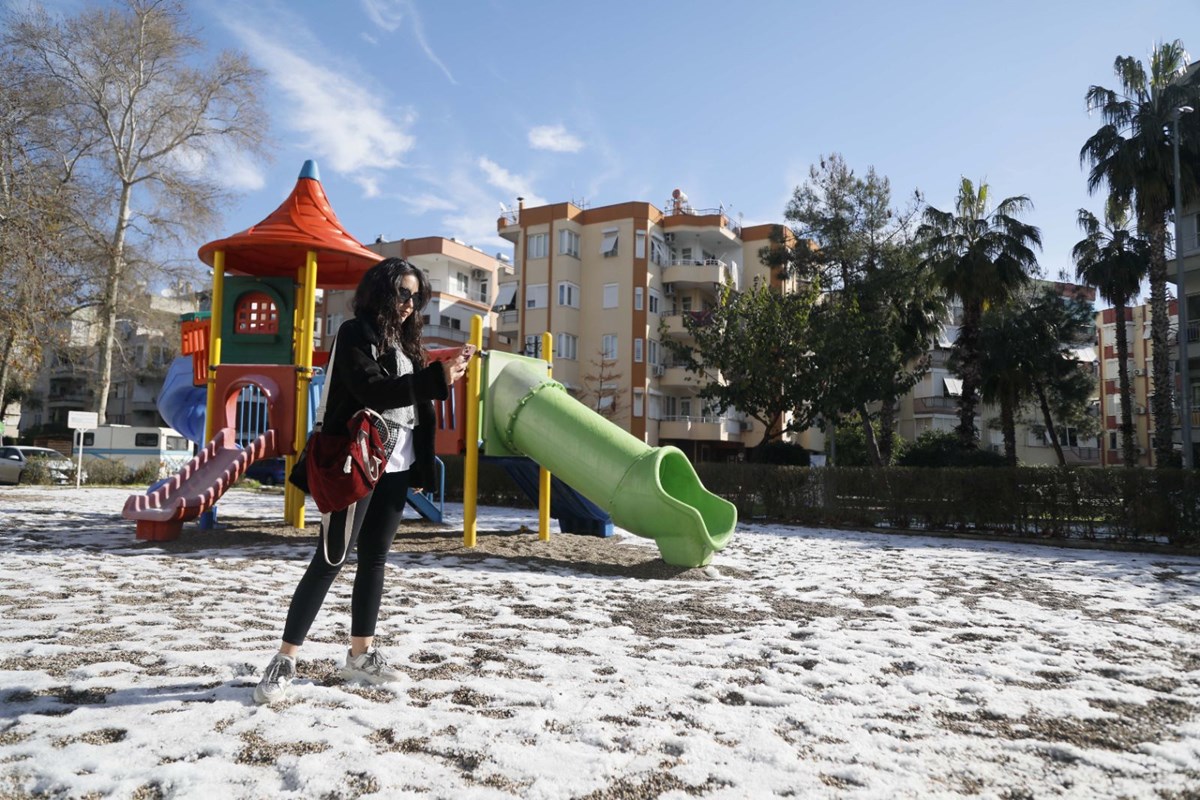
1085	354
609	244
506	296
953	387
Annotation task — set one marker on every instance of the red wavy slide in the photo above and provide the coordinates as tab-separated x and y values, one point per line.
195	488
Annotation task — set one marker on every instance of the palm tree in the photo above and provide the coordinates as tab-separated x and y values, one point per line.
1114	261
1005	380
1131	154
981	257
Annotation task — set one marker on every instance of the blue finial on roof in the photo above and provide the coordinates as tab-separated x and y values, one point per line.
309	170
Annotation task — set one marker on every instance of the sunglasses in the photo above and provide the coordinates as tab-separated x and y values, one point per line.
404	295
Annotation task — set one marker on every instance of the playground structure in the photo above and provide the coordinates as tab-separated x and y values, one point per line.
258	341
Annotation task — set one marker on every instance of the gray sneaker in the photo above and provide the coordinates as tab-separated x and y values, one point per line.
370	666
274	684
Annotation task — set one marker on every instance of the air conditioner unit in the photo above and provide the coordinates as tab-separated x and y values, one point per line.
478	274
1139	409
659	369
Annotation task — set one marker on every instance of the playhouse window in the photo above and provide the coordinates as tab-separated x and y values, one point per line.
256	312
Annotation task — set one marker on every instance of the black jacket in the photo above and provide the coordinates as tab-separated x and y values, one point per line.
360	381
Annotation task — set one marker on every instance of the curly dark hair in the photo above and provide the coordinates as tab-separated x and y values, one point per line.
377	300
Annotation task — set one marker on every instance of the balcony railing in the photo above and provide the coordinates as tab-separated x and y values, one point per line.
446	332
935	404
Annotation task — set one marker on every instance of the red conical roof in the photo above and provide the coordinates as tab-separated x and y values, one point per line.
305	221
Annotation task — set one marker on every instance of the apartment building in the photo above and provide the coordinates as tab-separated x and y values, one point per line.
463	279
932	404
143	350
1139	365
609	283
1189	249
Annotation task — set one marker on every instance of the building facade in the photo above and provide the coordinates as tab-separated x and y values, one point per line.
609	283
464	280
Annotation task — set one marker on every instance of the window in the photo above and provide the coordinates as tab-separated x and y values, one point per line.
652	351
608	245
538	245
145	440
533	345
89	439
608	346
255	313
685	302
537	295
568	346
685	407
1112	441
462	282
638	402
685	254
568	243
655	300
454	323
639	244
637	350
638	294
568	294
610	295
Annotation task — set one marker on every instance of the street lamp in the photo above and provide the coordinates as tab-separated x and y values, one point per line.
1185	415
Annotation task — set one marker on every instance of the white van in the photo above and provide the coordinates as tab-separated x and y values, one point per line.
136	446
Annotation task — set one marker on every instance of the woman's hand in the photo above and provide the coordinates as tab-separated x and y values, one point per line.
456	367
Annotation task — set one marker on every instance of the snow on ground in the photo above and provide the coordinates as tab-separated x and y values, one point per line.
808	663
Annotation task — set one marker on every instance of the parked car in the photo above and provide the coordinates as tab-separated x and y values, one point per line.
267	471
14	460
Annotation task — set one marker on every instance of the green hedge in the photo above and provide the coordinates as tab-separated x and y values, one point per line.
1138	505
1115	504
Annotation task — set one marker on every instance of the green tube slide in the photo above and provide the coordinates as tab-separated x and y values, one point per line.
650	491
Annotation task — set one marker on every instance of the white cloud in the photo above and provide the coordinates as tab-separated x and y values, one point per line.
554	138
424	203
389	15
345	123
513	185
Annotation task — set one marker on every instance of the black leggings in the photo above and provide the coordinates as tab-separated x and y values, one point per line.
376	519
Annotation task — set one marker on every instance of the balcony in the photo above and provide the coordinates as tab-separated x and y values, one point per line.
935	405
675	326
508	322
676	377
686	273
702	429
446	333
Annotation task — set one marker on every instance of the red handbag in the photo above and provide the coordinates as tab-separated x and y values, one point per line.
339	469
344	468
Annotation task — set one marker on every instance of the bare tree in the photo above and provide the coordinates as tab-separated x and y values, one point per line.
603	386
142	128
37	278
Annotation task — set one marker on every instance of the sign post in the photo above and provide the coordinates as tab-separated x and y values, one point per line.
80	421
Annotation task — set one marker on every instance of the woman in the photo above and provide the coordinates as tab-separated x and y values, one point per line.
378	363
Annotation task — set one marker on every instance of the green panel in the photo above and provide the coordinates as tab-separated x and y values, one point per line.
259	348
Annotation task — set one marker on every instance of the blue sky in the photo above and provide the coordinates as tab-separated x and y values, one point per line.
424	117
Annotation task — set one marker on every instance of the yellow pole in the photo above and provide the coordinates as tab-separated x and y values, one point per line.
471	465
543	473
214	345
304	344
